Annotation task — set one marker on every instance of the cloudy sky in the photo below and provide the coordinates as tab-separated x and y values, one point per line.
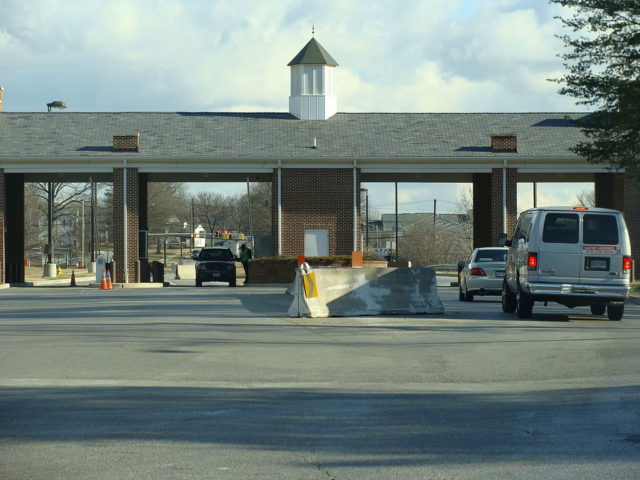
231	55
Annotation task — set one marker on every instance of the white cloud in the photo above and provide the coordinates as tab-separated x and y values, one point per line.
415	55
164	55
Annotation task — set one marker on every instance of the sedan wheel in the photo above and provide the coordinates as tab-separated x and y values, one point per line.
460	294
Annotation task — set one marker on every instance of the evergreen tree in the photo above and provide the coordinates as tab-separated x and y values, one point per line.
603	64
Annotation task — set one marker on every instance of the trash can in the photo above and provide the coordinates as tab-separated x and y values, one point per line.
157	271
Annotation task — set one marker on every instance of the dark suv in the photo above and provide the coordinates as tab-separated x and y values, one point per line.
215	265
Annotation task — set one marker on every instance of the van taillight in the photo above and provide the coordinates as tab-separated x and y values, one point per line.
478	272
627	263
532	261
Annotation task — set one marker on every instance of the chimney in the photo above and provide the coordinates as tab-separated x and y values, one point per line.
1	99
126	143
504	142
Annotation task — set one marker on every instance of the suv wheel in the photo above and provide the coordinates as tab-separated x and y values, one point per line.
198	282
508	299
615	311
598	308
524	304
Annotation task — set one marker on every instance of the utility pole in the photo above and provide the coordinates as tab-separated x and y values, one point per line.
435	203
93	219
396	221
49	222
193	227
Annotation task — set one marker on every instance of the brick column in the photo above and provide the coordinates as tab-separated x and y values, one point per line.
13	222
315	198
132	223
609	190
3	209
482	227
497	205
631	212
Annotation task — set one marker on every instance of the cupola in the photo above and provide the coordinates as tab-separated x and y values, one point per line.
313	83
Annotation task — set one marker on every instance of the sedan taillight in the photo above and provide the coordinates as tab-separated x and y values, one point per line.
478	272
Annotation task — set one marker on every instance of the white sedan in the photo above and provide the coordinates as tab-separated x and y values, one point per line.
482	273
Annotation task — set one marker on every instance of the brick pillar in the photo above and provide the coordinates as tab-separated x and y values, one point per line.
609	190
315	199
496	202
631	212
3	216
13	228
132	223
482	211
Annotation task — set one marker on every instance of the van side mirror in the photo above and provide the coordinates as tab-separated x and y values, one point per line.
503	241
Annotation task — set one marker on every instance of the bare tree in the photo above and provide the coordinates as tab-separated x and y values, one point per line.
210	210
56	198
586	198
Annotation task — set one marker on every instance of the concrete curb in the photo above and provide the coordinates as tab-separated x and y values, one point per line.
133	285
50	282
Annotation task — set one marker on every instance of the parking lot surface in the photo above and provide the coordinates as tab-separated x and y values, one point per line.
217	382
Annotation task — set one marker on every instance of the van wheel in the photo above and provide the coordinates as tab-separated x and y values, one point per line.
508	299
598	308
524	304
615	311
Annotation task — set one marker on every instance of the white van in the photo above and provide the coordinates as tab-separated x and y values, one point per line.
575	256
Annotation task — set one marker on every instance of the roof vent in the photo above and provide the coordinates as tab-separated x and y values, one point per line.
504	142
126	143
56	104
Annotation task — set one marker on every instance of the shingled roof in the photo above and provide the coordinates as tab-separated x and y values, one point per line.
313	54
280	135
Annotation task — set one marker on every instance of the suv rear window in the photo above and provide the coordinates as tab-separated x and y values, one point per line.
560	228
217	254
600	229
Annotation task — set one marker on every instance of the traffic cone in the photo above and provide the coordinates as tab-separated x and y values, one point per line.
109	284
73	279
103	280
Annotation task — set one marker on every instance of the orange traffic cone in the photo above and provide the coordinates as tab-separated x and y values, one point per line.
73	279
109	284
103	281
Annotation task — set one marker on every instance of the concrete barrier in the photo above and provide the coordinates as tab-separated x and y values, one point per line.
186	272
346	292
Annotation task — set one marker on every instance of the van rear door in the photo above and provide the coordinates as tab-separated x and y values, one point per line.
601	252
559	254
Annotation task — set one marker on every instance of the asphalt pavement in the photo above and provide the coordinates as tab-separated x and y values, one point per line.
218	383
